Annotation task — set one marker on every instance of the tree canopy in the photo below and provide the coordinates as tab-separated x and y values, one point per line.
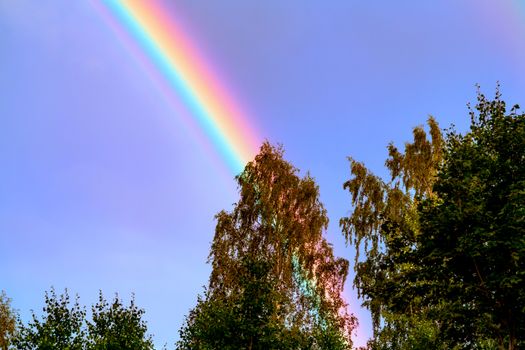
7	321
272	242
63	325
440	256
444	238
472	241
115	326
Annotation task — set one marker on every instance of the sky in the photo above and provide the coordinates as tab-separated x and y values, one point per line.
110	183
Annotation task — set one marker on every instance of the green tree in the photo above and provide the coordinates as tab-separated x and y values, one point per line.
384	226
7	321
117	327
61	326
272	245
472	241
238	321
443	239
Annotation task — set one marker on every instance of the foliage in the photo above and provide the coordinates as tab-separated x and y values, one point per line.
116	327
444	238
250	320
61	326
237	321
7	321
472	241
272	243
384	222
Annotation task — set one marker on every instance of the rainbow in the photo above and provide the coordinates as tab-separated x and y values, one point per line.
189	77
187	73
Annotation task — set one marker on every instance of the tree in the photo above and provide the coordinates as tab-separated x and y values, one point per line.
272	245
7	321
61	326
384	226
116	327
238	321
443	239
473	232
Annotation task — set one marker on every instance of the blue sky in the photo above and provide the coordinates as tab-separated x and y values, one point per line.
104	187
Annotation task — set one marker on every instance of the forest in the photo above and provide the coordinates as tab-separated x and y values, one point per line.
440	260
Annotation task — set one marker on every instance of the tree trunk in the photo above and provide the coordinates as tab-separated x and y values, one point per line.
512	340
